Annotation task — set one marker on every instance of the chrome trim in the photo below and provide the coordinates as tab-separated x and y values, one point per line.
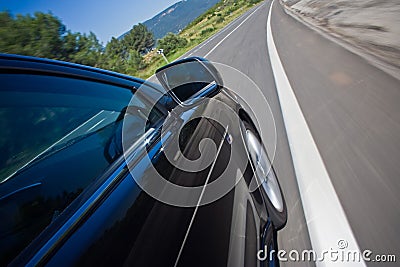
200	94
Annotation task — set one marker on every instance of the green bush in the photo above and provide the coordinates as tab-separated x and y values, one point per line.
206	31
170	42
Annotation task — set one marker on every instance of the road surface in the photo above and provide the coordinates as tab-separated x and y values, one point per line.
353	113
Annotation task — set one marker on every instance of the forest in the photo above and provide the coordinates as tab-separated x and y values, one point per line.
44	35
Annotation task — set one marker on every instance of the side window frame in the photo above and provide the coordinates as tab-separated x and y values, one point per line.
87	194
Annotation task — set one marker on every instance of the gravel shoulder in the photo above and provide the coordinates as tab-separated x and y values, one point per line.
372	26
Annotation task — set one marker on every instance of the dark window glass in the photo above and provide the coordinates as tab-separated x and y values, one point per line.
57	136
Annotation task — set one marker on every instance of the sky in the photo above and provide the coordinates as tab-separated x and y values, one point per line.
105	18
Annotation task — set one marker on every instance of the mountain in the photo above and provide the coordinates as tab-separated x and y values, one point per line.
177	17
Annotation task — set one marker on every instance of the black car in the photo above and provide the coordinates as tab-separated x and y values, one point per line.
91	173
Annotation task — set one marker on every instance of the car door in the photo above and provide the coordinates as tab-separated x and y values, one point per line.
59	138
124	225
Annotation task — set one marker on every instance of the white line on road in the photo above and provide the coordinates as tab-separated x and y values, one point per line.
237	27
197	48
209	40
326	220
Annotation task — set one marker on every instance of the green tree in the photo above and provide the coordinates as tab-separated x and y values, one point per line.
81	48
69	47
114	47
139	38
170	42
124	55
111	58
39	35
6	32
43	35
134	62
88	49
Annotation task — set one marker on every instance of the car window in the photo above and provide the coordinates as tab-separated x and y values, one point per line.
57	136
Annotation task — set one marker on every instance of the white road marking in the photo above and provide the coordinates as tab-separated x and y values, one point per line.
220	42
200	46
326	220
207	41
197	48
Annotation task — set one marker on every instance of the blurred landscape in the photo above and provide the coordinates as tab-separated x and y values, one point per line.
372	25
134	53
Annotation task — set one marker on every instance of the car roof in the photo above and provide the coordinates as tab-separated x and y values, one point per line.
18	63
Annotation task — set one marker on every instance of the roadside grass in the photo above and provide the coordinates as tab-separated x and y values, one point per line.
202	28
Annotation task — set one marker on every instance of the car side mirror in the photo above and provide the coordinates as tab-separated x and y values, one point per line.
189	79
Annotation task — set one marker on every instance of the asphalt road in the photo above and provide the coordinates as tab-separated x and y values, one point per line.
246	50
352	110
